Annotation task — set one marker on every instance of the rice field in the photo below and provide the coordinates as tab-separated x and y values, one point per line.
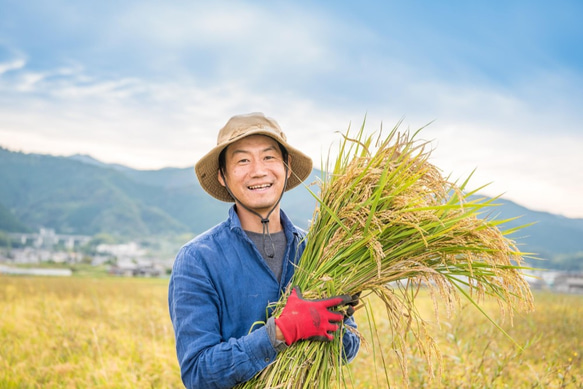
115	333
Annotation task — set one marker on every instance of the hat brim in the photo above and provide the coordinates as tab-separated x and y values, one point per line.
207	167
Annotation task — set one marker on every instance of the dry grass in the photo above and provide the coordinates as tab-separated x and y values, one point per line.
477	355
85	333
115	333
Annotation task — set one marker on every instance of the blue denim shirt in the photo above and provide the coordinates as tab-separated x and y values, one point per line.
220	289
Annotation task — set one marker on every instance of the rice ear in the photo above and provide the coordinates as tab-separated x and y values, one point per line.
388	222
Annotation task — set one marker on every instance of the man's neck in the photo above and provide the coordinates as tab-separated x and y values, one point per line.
251	222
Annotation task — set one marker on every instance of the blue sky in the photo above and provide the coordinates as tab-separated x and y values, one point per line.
149	83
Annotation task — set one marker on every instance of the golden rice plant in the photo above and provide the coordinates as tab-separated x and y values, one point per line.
388	222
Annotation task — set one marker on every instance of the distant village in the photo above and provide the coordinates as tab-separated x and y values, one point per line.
131	260
47	247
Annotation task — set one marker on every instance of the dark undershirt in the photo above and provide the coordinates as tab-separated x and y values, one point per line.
279	242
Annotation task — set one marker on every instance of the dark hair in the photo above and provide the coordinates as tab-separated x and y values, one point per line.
223	157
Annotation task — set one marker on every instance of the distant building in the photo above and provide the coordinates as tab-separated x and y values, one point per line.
569	283
131	249
36	272
47	238
127	259
132	269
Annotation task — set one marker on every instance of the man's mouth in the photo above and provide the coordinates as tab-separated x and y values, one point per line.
258	187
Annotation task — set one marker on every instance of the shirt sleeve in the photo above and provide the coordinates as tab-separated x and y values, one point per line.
350	340
278	345
206	360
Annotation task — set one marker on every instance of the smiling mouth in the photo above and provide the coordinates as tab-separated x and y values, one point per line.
257	187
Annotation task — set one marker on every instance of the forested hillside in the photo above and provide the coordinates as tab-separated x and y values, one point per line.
80	195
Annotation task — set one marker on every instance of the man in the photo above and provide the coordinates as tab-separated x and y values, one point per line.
225	281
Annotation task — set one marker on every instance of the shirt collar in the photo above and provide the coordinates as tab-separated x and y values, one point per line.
288	226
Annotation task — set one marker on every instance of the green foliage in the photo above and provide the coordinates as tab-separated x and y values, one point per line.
103	238
5	240
80	198
76	198
569	262
9	222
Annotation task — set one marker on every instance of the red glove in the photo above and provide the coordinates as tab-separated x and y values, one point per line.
309	319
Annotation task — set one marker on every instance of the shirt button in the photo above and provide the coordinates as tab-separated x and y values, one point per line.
266	359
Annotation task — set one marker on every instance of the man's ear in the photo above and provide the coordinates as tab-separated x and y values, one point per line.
220	178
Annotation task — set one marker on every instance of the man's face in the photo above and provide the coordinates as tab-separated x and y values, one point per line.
255	172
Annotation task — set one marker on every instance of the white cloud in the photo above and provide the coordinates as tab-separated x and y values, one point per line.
149	124
150	84
235	40
11	65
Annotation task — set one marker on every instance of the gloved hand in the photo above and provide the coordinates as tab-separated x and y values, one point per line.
354	301
310	319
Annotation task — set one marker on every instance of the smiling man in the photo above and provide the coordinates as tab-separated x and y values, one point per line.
226	280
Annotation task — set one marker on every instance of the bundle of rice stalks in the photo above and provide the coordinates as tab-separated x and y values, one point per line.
387	223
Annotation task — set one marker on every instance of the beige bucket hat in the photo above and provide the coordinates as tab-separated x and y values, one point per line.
238	127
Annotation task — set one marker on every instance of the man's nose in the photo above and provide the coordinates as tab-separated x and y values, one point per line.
258	168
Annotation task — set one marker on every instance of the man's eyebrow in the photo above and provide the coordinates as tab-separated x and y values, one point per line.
244	151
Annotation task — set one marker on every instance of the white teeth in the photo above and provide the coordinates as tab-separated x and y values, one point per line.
260	186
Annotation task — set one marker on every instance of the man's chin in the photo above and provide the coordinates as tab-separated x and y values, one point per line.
260	207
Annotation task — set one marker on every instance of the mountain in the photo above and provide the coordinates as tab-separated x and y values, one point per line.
548	233
81	195
555	238
9	222
95	162
73	197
